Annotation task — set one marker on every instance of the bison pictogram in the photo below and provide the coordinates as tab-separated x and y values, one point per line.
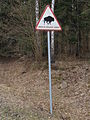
48	20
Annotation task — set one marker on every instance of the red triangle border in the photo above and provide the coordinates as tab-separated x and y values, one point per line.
41	18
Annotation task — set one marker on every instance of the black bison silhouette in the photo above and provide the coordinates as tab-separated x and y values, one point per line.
48	19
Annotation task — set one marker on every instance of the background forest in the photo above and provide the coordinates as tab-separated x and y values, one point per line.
18	35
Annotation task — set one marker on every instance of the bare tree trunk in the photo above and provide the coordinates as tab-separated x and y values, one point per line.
78	50
37	11
52	36
38	49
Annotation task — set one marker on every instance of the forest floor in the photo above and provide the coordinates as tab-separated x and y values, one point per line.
24	90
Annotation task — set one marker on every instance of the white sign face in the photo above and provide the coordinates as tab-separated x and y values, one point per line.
48	21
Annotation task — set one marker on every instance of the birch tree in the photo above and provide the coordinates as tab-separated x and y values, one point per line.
52	35
38	39
37	11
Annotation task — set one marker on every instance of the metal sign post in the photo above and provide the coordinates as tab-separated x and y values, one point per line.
48	22
49	62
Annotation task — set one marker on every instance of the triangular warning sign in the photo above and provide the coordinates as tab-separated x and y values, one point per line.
48	21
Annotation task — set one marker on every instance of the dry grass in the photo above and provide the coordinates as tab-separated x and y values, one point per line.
24	90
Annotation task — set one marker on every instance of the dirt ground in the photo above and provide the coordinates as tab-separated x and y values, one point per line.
24	90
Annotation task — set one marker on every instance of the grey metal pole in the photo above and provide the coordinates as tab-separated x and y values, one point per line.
49	62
